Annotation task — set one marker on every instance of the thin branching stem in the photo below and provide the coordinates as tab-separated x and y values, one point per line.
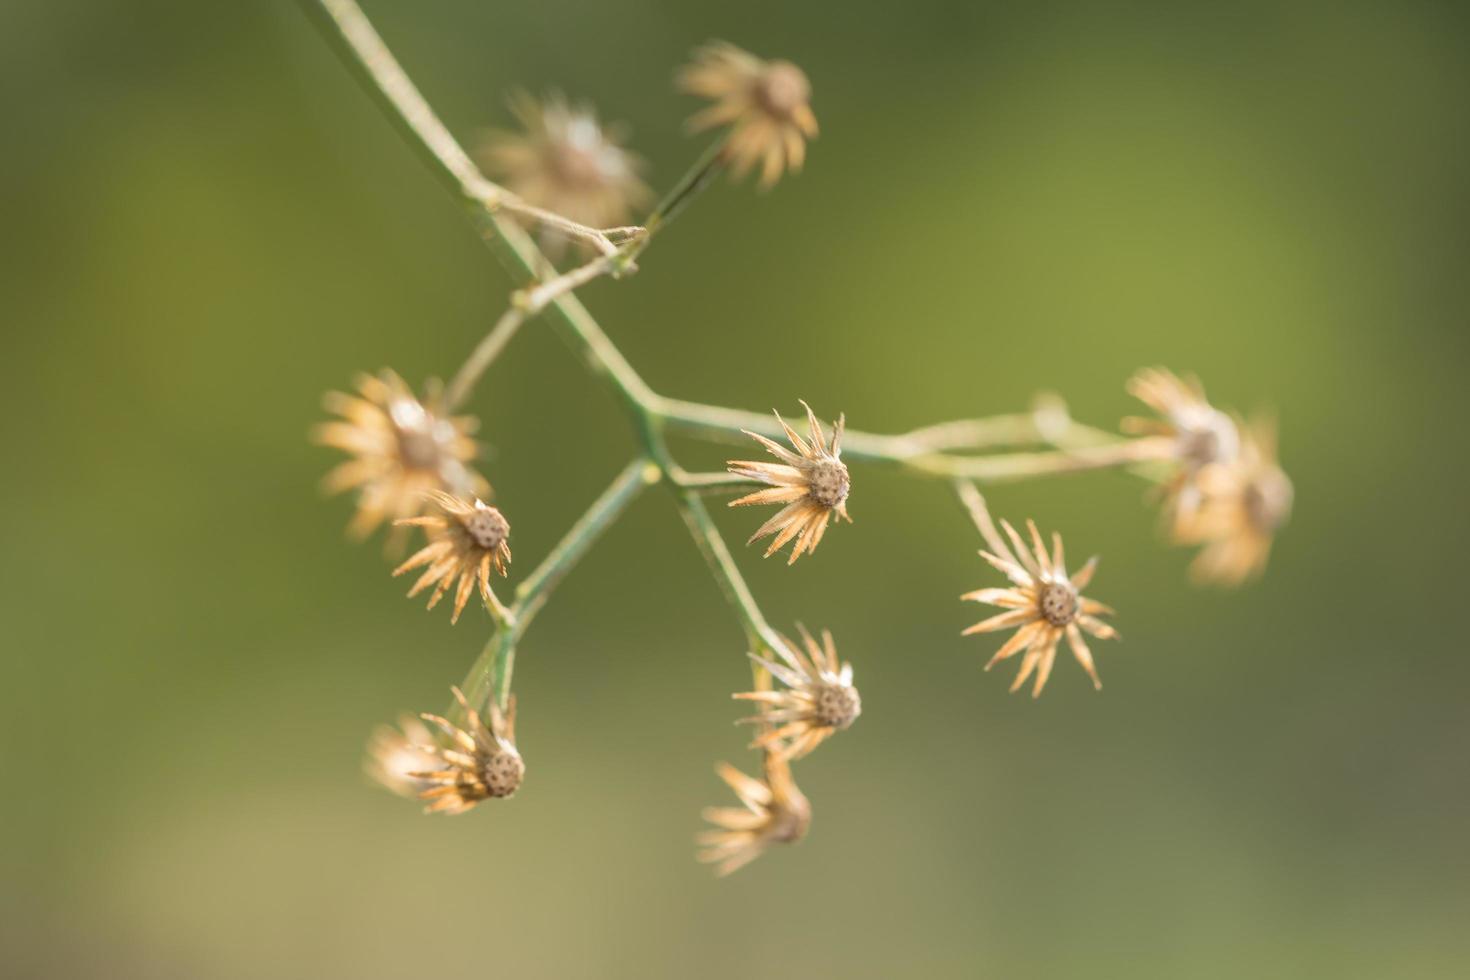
927	452
722	564
485	352
496	663
524	305
599	238
713	482
1000	468
688	187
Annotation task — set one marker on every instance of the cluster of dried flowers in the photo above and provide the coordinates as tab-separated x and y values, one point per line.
411	465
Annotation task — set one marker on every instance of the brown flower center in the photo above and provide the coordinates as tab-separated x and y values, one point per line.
581	157
416	430
1267	500
827	482
782	89
576	167
502	774
836	705
487	527
1058	603
1207	436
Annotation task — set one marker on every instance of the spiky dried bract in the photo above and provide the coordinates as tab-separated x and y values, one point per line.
476	762
1243	505
396	754
817	701
1200	435
467	540
767	104
772	811
402	448
812	483
1045	603
565	161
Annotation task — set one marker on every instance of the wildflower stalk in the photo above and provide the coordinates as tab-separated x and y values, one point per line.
926	452
493	669
722	564
965	435
599	238
1002	468
524	305
689	186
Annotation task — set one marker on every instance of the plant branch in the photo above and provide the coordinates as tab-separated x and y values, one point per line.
386	81
1020	466
694	181
722	564
927	451
524	304
496	663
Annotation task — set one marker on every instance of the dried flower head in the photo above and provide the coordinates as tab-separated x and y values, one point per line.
397	755
1199	434
819	698
1045	602
772	811
767	104
401	448
1244	504
813	483
467	538
567	162
477	763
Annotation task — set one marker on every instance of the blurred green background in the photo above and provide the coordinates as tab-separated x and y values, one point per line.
206	224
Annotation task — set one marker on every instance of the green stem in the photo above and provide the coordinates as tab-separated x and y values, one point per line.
496	663
924	451
386	81
722	564
1006	467
690	186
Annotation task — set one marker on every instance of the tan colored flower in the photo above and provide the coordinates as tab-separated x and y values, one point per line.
1200	435
772	811
767	104
467	539
813	483
479	762
401	449
567	162
396	754
1244	504
1045	603
819	698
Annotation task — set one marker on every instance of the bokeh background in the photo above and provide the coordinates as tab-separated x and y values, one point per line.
206	224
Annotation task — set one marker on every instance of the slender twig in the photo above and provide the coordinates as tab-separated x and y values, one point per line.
485	352
717	555
712	482
688	187
965	435
1021	466
496	663
524	305
599	238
